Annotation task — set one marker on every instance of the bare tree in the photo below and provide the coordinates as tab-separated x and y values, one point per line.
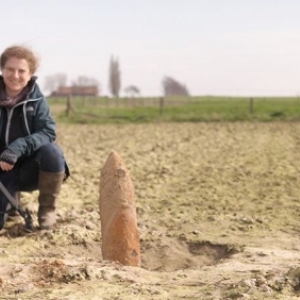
53	82
114	77
85	81
174	88
61	79
50	84
132	91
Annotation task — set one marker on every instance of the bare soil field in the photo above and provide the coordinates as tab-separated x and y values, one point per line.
217	206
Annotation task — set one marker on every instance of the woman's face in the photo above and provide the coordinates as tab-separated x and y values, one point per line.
16	74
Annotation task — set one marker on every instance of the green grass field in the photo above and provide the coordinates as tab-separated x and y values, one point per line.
192	109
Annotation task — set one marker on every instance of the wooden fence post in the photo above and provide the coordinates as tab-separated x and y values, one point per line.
69	107
251	106
161	105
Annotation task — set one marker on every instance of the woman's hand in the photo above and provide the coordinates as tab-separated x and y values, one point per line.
7	160
5	166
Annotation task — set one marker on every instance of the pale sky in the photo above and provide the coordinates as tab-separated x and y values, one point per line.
214	47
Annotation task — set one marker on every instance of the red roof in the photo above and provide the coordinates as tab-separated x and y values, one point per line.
76	91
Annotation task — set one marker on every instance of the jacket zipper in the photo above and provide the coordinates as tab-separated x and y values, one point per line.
9	116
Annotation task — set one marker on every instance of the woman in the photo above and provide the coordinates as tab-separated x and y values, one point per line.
29	158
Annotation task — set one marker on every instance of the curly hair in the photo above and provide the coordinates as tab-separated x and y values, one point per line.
20	52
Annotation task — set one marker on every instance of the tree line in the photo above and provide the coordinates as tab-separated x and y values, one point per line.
171	86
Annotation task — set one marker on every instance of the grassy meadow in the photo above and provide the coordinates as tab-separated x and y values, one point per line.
192	109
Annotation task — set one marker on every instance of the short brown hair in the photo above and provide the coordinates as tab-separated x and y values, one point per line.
20	52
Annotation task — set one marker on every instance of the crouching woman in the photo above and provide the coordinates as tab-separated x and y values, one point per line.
29	157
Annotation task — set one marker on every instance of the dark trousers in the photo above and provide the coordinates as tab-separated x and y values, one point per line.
24	175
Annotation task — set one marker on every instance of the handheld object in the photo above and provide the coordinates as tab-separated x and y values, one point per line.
25	214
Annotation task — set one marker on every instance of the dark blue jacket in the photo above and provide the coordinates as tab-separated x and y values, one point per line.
37	126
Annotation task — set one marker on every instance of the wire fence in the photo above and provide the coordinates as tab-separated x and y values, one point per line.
185	108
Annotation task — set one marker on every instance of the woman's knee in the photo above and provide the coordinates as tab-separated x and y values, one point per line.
51	158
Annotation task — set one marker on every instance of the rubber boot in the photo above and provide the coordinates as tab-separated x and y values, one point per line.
49	185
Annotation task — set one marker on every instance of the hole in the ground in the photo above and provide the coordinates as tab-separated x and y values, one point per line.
173	254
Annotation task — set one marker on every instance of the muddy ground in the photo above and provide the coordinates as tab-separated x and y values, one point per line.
218	210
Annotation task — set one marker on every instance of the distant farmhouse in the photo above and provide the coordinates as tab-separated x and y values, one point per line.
76	91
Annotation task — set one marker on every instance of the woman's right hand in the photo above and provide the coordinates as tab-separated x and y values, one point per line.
5	166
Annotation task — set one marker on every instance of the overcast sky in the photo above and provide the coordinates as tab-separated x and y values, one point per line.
214	47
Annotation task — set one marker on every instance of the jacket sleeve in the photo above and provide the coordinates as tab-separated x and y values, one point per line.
43	132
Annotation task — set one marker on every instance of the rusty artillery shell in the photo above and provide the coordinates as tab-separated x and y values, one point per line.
120	234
